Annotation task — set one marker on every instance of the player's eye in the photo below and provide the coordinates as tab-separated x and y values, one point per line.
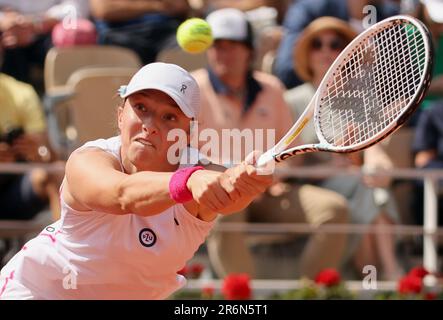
169	117
140	107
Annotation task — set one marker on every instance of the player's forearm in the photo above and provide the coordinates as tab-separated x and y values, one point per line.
145	193
120	10
237	206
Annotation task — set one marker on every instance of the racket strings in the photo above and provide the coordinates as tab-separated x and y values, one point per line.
372	86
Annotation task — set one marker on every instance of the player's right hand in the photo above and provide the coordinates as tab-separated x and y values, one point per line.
249	180
212	189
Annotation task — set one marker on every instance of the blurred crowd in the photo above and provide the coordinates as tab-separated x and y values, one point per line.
267	59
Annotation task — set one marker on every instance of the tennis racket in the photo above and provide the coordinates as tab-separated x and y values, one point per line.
370	90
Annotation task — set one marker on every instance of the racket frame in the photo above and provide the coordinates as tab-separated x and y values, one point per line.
278	152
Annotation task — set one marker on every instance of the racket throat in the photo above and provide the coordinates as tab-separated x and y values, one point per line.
266	157
307	148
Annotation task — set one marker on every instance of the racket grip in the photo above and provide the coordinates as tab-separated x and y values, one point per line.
265	158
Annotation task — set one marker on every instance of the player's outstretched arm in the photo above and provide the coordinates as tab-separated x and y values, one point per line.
94	181
242	184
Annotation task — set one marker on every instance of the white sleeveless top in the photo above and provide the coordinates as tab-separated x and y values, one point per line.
95	255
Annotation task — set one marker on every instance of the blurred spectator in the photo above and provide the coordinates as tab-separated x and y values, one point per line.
235	97
247	5
428	148
23	138
431	13
143	26
265	17
317	48
83	34
26	27
300	13
428	142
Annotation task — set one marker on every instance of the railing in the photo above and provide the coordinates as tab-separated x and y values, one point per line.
18	229
265	287
24	167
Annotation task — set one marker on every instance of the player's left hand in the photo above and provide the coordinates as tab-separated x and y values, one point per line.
248	179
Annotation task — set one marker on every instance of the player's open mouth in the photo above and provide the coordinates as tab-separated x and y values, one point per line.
144	142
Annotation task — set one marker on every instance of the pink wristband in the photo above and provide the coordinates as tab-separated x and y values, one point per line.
177	185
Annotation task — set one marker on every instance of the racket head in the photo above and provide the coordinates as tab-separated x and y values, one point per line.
374	85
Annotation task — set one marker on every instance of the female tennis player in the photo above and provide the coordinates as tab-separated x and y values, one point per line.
130	218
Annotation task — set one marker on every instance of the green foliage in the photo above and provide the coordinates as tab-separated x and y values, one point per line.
310	290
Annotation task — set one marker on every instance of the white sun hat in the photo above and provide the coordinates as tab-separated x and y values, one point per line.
171	79
230	24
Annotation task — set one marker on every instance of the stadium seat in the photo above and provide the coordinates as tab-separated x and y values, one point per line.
90	113
60	63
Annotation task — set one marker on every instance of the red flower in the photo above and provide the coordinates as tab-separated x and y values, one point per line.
419	272
236	287
328	277
208	291
410	284
430	296
196	269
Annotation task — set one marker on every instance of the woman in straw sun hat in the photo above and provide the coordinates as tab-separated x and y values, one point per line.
131	218
337	31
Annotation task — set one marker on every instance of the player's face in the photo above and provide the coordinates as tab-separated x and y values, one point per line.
325	47
229	58
144	122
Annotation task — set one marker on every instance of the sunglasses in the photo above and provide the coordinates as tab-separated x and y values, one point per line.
336	44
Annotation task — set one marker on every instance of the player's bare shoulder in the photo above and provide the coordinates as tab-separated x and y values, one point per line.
91	155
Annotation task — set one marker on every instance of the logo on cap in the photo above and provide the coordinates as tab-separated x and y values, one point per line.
183	88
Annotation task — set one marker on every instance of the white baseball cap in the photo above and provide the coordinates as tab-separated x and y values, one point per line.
171	79
435	9
230	24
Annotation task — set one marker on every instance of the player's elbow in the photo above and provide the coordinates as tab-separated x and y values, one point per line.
130	201
124	200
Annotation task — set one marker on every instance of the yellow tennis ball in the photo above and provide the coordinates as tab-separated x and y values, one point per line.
194	35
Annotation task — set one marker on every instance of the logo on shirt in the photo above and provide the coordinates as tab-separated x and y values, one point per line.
183	88
147	237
